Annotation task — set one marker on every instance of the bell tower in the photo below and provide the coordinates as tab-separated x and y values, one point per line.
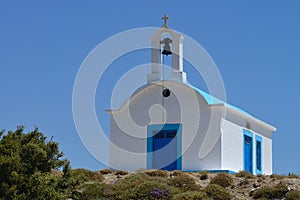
166	42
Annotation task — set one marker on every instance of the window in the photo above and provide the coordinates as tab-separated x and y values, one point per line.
171	134
159	135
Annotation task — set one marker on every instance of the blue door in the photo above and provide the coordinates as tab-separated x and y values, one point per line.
167	154
248	153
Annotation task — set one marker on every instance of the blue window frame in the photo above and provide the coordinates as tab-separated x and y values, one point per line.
258	154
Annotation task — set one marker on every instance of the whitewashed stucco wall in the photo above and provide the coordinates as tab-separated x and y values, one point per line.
267	156
224	133
232	146
233	152
145	107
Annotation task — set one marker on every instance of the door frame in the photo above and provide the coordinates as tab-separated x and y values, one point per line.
258	139
249	134
156	128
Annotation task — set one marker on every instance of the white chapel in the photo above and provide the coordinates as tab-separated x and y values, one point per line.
180	127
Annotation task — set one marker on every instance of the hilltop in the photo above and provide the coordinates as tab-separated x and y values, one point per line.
159	184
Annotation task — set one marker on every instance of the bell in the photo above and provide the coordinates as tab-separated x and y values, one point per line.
167	50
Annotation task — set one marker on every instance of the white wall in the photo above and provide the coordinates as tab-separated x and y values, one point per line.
241	121
126	152
207	142
233	152
232	146
185	106
267	156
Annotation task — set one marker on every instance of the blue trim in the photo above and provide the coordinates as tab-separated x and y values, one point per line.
157	127
258	139
213	100
149	148
212	171
249	134
179	147
225	171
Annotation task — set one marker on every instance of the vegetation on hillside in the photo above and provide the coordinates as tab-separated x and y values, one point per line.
31	167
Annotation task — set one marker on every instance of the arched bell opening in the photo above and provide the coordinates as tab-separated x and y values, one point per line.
166	48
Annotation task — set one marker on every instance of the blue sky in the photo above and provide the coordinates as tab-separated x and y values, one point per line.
255	45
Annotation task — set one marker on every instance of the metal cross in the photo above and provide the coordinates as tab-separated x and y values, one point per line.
165	18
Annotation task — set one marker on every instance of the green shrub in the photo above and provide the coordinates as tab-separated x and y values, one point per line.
149	189
293	195
133	179
152	190
183	182
270	192
244	182
95	176
158	173
217	192
87	175
191	195
124	185
245	174
292	175
176	173
106	171
276	176
121	172
203	176
222	179
92	191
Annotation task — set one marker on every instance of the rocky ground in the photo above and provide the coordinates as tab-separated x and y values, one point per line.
243	184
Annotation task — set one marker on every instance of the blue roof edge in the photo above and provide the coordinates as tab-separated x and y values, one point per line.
211	100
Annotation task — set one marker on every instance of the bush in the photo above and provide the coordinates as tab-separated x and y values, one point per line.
222	179
133	179
122	188
87	175
121	172
150	190
217	192
176	173
245	174
106	171
292	175
92	191
244	182
276	176
183	182
203	176
158	173
293	195
270	192
190	195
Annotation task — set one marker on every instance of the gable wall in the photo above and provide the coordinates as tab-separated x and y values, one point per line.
129	128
